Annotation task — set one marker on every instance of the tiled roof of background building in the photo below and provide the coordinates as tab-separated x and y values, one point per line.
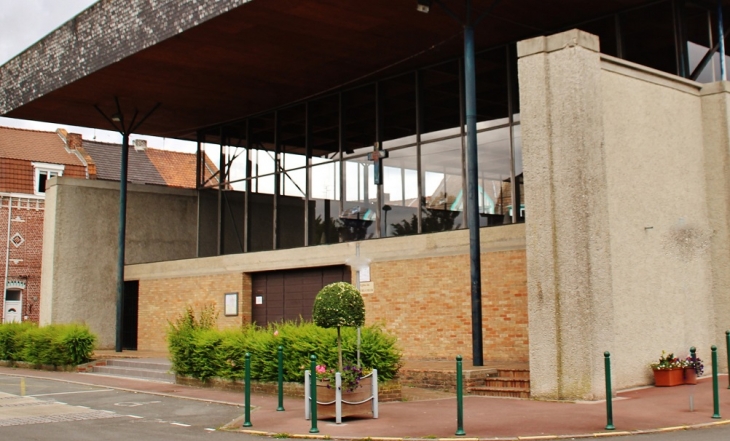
34	145
178	169
108	159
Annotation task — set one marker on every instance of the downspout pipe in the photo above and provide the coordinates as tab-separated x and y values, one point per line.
7	254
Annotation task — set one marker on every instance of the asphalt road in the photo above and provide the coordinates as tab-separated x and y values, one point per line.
57	410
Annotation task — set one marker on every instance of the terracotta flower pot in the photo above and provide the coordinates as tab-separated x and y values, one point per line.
668	377
690	376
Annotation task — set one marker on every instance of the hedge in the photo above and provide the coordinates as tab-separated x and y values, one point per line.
57	345
202	352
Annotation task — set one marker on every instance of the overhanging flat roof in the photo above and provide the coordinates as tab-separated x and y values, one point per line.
212	61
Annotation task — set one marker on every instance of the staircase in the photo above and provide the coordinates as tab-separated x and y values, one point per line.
146	369
512	383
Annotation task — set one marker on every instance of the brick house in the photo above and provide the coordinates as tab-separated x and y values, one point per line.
28	159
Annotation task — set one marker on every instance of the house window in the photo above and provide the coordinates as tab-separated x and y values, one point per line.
44	172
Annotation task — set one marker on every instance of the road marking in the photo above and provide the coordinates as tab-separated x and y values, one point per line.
209	429
74	392
135	403
180	424
134	416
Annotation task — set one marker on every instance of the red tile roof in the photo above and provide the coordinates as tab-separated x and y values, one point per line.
178	169
34	145
19	148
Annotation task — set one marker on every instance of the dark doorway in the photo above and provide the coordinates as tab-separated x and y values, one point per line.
289	294
131	308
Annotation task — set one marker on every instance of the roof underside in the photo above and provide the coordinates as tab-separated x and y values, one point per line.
224	60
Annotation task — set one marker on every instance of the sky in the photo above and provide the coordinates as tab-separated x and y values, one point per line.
24	22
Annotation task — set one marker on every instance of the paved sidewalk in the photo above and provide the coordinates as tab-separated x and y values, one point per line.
637	411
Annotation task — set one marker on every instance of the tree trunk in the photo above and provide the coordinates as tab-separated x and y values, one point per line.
339	348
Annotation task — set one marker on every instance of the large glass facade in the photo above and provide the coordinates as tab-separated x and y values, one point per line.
387	158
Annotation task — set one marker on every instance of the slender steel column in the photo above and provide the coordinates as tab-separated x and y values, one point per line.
419	165
121	239
472	166
721	41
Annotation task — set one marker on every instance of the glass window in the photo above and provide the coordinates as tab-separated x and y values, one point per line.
494	190
648	36
442	182
42	173
324	202
292	176
440	97
400	193
360	210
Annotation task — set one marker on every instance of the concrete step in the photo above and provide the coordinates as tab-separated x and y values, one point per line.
131	363
153	370
509	392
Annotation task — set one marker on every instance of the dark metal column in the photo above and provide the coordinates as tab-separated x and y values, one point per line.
221	180
122	239
247	196
721	41
419	165
308	174
277	183
472	166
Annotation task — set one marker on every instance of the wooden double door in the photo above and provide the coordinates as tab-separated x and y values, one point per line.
289	294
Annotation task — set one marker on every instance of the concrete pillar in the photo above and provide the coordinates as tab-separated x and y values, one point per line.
716	130
568	254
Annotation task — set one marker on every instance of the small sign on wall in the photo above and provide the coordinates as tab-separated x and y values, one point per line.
365	274
367	287
230	302
259	300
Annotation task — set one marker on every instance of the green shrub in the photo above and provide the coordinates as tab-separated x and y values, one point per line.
9	335
56	345
204	353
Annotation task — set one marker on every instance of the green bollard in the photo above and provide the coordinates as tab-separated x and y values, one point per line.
715	388
247	392
459	399
609	393
281	379
313	393
727	349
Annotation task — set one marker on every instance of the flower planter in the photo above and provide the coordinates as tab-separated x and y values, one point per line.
353	403
331	403
690	376
668	377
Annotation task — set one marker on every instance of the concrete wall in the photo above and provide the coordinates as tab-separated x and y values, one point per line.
660	232
626	184
421	289
80	245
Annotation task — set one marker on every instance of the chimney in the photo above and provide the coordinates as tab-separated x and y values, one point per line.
140	145
73	141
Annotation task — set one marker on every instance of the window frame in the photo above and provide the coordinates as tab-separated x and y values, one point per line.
51	170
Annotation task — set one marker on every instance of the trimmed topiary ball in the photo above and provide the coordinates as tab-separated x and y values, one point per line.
338	304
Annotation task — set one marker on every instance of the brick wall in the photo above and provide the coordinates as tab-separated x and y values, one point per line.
164	300
24	260
427	303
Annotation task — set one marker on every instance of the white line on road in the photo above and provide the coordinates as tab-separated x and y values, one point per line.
180	424
209	429
75	392
134	416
